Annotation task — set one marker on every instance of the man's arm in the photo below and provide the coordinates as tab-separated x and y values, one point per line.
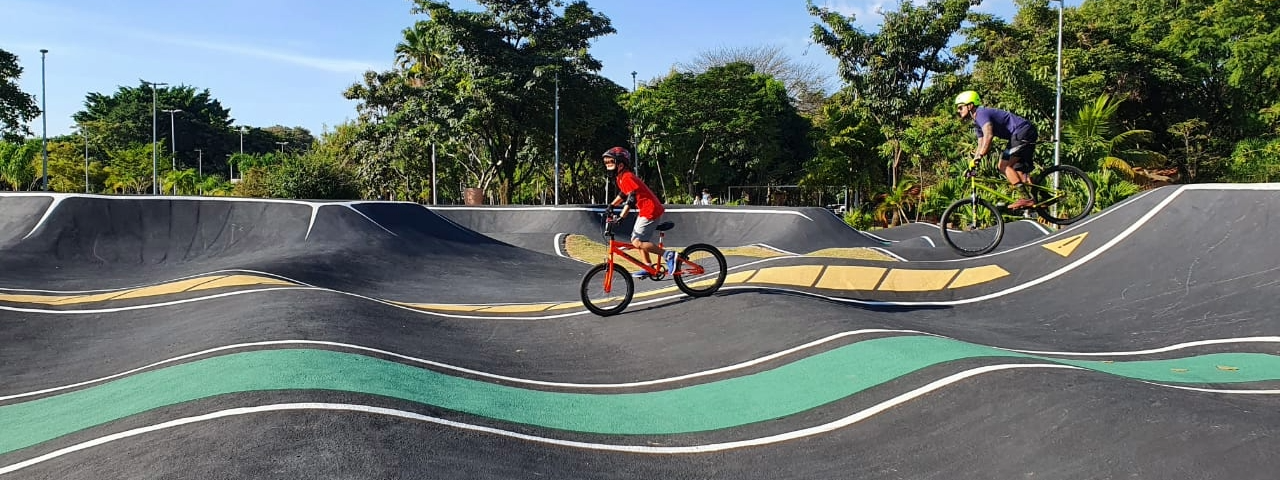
984	143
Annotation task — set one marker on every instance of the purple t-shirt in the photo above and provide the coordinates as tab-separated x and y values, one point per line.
1003	123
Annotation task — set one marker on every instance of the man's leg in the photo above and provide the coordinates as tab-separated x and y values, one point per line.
1013	172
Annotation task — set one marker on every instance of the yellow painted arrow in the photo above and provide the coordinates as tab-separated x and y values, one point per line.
1066	246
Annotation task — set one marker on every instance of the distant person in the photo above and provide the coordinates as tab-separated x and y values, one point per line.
706	197
633	192
989	123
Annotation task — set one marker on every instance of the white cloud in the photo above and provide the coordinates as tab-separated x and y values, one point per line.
335	65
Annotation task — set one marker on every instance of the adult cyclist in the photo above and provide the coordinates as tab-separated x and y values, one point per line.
989	123
633	191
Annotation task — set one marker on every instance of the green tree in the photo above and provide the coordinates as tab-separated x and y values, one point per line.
17	163
846	136
130	169
1096	141
123	119
890	69
728	125
16	107
495	80
313	176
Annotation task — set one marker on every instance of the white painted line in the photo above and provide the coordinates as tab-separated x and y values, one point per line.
889	254
644	449
441	365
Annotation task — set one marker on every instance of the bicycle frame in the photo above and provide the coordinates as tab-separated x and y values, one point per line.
1052	195
616	248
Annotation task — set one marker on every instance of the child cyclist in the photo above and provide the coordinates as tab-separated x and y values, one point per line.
632	191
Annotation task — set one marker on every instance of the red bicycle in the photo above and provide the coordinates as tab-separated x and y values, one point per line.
608	288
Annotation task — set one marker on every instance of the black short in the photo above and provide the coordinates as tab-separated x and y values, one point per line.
1022	149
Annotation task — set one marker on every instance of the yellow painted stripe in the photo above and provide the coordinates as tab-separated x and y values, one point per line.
1064	247
903	280
740	277
841	277
973	276
241	281
518	308
190	284
799	275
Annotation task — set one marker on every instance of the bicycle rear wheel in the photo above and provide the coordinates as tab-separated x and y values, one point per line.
1071	201
613	301
714	270
972	226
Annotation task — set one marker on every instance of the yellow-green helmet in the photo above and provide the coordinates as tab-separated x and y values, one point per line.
968	96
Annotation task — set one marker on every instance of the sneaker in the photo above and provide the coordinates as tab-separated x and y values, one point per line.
640	275
670	257
1021	204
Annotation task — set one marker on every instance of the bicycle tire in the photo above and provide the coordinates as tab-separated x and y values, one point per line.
699	287
1069	182
971	239
609	305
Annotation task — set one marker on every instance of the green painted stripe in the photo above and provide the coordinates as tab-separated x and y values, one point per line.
788	389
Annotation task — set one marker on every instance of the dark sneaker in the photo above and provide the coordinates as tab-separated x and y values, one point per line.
1021	204
670	257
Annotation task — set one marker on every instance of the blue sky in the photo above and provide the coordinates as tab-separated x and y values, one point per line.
287	62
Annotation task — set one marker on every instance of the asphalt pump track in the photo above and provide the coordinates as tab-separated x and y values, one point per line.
173	337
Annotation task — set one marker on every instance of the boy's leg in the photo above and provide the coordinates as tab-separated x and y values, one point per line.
642	239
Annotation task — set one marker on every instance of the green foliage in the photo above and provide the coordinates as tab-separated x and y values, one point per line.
859	219
725	126
890	69
312	176
130	169
17	163
1112	188
16	107
124	119
1256	160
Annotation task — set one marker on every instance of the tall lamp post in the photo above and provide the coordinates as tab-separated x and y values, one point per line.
173	144
200	171
282	144
1057	108
635	139
85	133
557	121
44	118
242	131
155	180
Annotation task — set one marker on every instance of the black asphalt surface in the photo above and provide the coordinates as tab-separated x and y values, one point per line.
1169	276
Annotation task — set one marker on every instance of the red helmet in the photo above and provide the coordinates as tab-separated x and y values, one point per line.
618	153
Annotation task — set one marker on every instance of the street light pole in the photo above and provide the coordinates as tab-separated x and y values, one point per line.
199	171
557	121
85	133
635	139
282	144
155	185
173	144
242	130
44	118
1057	108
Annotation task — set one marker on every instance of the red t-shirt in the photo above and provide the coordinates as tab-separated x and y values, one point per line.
646	202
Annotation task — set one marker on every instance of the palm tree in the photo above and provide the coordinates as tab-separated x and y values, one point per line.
420	53
892	209
1095	140
185	180
16	167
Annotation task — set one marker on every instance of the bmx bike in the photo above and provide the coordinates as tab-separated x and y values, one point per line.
608	288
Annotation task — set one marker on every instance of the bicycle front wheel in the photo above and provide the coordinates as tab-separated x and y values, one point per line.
710	261
610	298
972	226
1070	201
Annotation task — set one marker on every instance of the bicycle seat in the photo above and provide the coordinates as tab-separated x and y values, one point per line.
664	226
